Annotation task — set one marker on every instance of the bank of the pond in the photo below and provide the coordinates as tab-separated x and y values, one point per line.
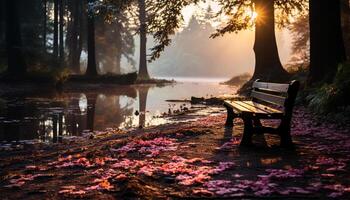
198	159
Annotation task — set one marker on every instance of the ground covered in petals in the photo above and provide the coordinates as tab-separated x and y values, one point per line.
196	159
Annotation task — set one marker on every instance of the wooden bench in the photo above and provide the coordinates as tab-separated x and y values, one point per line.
269	101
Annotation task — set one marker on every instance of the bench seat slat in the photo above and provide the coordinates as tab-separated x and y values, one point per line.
269	98
263	107
276	87
252	108
237	107
241	108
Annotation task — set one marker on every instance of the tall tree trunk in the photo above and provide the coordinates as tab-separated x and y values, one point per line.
55	30
143	71
82	28
44	24
268	66
73	37
119	49
326	40
346	26
118	62
91	68
61	24
16	64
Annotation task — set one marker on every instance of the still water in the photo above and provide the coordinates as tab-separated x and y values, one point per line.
49	118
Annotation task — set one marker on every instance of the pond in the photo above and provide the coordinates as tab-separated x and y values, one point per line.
51	117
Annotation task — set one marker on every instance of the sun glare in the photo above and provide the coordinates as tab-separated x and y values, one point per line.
253	15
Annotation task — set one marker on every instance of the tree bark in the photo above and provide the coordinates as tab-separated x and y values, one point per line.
55	30
143	71
16	63
61	24
346	26
118	62
91	68
268	66
44	24
326	40
73	37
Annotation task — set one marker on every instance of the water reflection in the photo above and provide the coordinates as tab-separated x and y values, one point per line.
51	118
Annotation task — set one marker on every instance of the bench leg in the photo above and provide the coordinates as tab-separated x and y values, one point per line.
247	133
285	134
230	117
257	122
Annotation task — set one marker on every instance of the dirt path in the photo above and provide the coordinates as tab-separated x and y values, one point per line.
196	159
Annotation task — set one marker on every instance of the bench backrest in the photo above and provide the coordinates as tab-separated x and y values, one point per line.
275	93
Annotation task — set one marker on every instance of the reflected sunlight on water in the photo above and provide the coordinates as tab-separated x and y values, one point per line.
50	119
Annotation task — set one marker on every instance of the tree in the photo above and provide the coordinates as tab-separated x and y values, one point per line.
346	25
76	33
92	66
261	15
143	71
55	32
167	18
45	23
300	30
61	24
326	40
114	39
16	63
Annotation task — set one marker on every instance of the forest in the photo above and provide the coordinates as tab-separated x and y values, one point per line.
168	99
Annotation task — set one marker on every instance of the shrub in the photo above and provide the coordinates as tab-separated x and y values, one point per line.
332	97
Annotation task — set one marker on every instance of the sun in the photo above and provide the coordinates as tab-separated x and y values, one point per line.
253	14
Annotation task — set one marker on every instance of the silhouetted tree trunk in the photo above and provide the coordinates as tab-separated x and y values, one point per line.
16	63
119	51
55	30
54	128
61	24
44	24
118	62
60	127
91	68
346	26
82	27
143	71
2	21
268	66
326	40
73	36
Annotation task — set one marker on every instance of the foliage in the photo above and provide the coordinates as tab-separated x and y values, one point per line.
60	76
298	71
114	36
241	14
52	75
332	97
300	30
238	80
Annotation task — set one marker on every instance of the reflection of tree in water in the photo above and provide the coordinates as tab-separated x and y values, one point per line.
91	106
143	92
110	112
